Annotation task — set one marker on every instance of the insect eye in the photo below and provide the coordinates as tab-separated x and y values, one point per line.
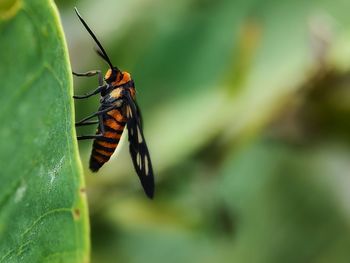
113	77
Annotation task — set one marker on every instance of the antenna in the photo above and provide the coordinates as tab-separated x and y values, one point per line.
103	53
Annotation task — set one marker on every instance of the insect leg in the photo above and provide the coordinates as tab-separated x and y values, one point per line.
90	74
96	91
101	126
95	114
87	123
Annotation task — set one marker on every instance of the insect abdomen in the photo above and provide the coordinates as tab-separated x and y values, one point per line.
104	147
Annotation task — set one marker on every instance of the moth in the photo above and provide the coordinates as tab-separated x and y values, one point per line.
118	109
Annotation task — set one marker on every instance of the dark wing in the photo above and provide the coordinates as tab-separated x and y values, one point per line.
138	148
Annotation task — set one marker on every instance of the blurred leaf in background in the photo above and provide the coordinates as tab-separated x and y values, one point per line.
246	109
43	215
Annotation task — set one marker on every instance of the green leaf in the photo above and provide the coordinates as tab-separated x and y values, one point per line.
43	211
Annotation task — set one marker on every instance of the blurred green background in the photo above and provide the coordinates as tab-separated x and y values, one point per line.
246	107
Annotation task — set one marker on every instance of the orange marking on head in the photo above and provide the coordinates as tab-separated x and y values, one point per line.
126	78
108	74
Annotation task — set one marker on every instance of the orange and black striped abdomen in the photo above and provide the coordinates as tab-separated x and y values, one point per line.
103	148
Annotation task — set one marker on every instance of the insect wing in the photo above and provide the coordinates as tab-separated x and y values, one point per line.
138	148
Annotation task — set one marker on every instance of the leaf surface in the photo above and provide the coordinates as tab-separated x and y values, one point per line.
43	211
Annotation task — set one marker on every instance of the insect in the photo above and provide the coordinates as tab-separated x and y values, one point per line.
118	109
